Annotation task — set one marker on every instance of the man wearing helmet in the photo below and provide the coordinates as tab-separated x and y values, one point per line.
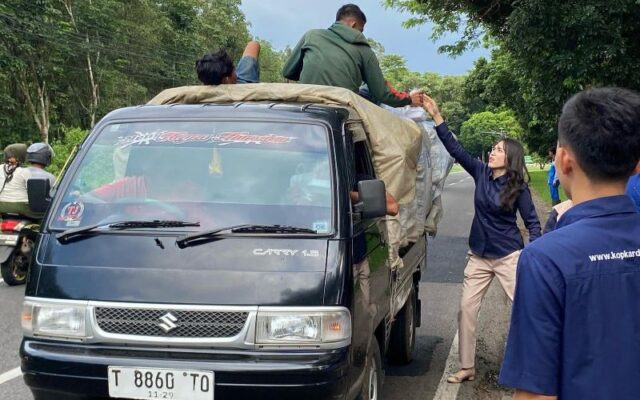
40	155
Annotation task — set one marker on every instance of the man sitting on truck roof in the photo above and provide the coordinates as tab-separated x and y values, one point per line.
217	68
341	56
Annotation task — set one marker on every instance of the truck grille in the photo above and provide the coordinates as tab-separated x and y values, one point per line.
188	324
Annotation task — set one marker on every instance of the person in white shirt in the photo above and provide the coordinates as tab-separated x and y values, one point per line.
13	180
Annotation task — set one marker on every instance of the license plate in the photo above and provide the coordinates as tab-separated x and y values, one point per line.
8	239
160	383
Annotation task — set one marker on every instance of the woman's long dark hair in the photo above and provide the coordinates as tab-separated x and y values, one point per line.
517	173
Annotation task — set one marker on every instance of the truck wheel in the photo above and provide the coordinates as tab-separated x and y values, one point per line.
14	270
372	385
403	333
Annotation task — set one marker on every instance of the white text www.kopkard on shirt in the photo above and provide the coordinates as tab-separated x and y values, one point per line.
620	255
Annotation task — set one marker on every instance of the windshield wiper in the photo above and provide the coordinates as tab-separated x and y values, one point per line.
66	236
247	228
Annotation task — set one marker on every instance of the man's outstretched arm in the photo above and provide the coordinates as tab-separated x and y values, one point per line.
248	69
381	91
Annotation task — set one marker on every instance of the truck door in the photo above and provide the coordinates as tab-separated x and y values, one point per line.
371	271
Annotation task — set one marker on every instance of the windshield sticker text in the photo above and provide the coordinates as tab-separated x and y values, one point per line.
71	214
221	139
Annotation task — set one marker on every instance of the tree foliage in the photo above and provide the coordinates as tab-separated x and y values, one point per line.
482	130
66	63
547	51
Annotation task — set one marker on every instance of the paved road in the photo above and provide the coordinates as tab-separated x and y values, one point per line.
440	291
10	335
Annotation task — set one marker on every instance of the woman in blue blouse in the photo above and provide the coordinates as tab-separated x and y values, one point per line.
495	240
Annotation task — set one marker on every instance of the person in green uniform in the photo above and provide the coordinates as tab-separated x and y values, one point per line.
341	56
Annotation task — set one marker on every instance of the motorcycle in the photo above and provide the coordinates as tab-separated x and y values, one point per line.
17	239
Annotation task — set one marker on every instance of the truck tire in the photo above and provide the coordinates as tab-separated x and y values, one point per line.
403	332
14	270
372	385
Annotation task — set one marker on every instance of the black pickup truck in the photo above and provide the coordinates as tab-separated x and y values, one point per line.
216	251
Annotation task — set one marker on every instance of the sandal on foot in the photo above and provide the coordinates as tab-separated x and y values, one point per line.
468	374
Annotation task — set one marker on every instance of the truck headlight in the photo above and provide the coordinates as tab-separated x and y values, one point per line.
54	320
299	327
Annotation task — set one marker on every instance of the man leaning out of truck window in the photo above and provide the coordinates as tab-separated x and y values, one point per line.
218	68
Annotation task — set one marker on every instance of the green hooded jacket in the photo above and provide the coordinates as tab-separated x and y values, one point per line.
340	56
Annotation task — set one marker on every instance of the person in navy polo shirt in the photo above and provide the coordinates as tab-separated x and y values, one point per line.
575	327
495	240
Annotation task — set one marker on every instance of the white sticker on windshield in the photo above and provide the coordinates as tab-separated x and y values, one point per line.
221	139
72	213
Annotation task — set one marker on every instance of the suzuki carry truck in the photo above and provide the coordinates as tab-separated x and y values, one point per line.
200	252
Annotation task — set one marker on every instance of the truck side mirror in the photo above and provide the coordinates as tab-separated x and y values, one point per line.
372	199
38	193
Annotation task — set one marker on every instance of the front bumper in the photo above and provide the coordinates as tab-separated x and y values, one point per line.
78	371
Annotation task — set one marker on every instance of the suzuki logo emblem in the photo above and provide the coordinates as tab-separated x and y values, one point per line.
168	322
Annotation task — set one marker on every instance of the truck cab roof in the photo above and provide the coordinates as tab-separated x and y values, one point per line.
334	116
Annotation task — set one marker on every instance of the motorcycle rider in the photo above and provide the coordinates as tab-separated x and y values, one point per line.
40	156
13	181
13	196
16	257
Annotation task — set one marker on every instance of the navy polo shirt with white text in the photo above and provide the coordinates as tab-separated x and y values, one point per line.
575	326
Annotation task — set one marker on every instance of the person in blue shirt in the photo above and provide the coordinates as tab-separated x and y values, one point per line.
633	190
218	68
495	240
575	325
552	180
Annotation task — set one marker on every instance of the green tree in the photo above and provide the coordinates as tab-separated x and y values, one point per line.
482	130
394	68
65	63
63	148
271	63
30	58
554	48
455	114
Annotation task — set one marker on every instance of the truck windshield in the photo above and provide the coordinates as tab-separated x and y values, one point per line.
217	173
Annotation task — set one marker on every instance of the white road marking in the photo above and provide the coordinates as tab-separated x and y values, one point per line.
9	375
446	390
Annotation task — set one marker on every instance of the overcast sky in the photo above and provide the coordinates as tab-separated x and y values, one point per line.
283	22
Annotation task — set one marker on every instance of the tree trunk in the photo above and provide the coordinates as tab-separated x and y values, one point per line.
39	109
92	109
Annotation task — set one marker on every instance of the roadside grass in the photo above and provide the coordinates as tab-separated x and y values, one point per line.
539	183
456	168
